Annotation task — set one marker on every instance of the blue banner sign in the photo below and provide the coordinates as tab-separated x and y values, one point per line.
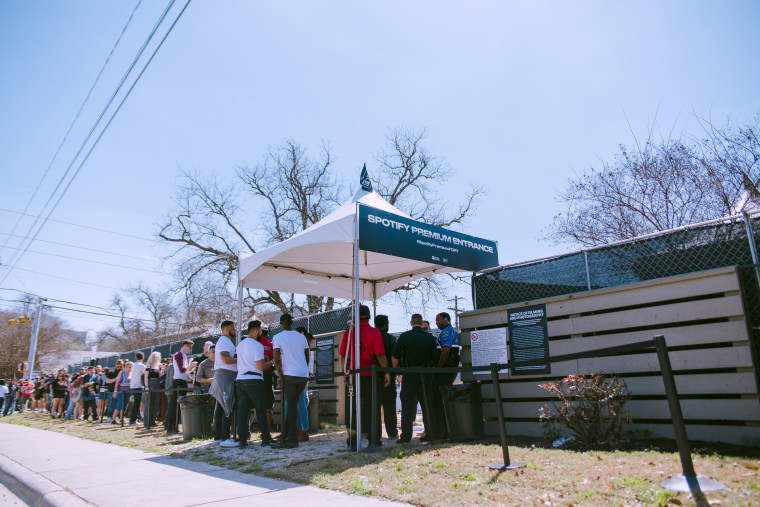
390	234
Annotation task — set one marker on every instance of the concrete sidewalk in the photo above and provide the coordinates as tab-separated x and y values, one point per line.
48	468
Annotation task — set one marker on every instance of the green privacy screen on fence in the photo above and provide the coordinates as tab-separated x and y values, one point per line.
688	249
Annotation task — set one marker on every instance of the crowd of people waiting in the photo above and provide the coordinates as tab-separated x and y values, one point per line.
246	374
135	390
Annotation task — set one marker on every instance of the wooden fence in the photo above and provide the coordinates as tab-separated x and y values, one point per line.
703	318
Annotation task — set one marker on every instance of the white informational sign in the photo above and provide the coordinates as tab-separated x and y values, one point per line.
489	346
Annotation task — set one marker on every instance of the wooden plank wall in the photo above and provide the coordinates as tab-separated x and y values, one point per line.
331	396
702	318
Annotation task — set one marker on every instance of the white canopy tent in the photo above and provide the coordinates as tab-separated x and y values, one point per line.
324	260
319	260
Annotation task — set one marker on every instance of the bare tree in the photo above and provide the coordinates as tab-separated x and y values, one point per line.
210	228
53	337
293	191
298	192
410	175
135	331
658	185
731	155
160	306
409	178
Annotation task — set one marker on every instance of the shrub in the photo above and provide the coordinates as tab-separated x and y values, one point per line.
591	406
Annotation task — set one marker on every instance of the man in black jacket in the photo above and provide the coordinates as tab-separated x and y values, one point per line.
387	393
414	348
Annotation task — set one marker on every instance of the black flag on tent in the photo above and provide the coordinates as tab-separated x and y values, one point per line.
364	179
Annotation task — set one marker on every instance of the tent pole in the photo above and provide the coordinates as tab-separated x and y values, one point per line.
374	298
240	311
357	333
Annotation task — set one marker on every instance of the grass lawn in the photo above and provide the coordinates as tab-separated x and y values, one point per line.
458	474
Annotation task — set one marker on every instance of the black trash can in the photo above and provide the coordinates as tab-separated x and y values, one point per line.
197	414
464	411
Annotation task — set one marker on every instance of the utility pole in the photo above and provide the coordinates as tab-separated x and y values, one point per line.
35	333
456	307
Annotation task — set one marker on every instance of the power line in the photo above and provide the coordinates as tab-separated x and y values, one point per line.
71	126
68	279
82	199
85	248
17	256
101	314
92	261
103	131
77	225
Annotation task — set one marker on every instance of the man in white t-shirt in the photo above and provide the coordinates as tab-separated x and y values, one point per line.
250	387
223	384
136	386
291	358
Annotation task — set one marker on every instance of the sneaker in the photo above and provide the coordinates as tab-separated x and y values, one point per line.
229	443
303	435
403	440
267	443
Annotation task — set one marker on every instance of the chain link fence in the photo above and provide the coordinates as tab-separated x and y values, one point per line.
709	245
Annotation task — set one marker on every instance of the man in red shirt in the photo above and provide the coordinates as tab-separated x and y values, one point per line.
371	351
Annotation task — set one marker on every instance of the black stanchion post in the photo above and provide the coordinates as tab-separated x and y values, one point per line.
176	409
688	480
233	417
426	408
282	410
147	411
373	429
507	464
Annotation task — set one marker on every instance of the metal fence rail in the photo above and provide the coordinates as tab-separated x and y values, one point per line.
698	247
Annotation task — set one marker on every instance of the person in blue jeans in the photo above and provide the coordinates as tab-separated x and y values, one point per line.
302	408
302	416
10	399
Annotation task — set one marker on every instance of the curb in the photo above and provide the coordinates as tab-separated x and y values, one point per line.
34	488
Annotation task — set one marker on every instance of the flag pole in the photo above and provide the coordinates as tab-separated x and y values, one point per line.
357	331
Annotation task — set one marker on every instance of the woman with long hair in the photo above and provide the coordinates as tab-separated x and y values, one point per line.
59	386
122	392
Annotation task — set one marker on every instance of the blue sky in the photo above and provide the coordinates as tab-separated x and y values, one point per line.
516	96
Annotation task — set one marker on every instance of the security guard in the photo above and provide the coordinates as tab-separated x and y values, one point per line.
414	348
448	348
387	394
